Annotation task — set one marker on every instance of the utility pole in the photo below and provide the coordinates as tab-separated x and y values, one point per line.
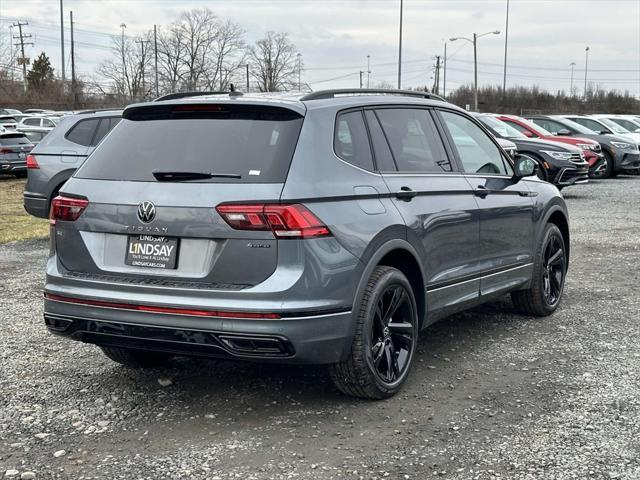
400	50
247	66
573	64
436	77
11	51
299	72
368	70
155	51
506	44
74	98
586	69
142	43
62	42
444	79
21	37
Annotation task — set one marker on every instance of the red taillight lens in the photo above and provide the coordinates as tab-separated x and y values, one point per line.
32	162
285	221
66	209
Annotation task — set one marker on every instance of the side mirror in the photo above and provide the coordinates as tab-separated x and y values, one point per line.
564	132
524	166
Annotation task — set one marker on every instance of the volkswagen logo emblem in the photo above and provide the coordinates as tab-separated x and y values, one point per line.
146	212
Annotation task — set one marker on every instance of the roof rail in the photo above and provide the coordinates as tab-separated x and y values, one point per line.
324	94
178	95
94	110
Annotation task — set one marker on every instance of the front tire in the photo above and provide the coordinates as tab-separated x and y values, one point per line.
605	169
385	338
136	358
549	271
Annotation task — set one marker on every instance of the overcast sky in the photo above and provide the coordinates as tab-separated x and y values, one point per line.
336	36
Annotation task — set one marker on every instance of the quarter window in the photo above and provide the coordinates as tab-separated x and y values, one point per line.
351	141
82	132
415	143
476	150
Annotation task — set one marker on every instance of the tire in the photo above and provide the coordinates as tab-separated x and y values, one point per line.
136	358
384	343
607	170
549	272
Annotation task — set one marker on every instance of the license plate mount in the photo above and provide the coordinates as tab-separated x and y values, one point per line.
151	251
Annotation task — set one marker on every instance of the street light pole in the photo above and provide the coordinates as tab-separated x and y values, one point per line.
586	69
444	82
506	45
368	69
573	64
474	42
400	51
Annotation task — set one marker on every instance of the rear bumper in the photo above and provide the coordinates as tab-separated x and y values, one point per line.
13	167
312	339
36	204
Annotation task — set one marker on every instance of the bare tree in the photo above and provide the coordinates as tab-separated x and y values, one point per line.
274	62
129	67
171	48
227	56
198	34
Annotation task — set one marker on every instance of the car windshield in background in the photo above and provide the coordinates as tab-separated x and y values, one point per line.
628	124
577	127
501	128
256	146
542	131
614	126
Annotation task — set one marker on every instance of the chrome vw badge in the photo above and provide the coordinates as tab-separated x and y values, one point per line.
146	212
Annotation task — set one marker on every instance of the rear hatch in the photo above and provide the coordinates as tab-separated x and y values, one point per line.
14	148
153	186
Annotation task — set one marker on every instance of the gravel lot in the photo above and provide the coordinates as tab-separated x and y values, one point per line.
492	395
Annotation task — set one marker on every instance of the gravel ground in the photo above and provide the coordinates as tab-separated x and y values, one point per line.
492	395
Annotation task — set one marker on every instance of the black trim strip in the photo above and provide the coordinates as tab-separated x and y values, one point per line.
474	276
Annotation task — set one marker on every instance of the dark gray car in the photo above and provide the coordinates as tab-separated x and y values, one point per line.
60	152
323	229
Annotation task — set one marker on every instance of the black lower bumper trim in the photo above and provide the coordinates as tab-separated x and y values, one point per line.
172	340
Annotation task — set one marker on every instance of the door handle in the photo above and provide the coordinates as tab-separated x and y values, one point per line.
406	194
481	191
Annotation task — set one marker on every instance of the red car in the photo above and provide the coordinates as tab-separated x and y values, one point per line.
591	149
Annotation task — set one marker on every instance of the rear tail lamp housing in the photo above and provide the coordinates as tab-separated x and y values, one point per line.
66	209
285	221
32	162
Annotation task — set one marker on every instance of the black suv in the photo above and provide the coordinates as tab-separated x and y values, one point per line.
328	228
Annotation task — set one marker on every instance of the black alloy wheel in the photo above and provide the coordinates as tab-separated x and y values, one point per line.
554	270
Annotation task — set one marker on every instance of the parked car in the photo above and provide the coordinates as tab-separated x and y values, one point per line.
8	122
35	135
60	153
9	111
590	148
37	111
562	165
508	146
14	148
37	121
604	126
241	231
620	154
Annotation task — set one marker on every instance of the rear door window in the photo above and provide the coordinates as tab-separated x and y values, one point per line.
256	143
414	140
351	141
31	122
82	132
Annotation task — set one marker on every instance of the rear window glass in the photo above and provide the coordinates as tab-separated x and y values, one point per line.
255	143
16	139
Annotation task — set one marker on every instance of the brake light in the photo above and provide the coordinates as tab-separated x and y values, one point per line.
66	209
285	221
32	162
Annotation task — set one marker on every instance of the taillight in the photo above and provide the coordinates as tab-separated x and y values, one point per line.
32	162
6	150
285	221
66	209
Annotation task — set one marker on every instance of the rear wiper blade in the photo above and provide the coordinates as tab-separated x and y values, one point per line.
177	176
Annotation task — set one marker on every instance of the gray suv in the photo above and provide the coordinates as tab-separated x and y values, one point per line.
328	228
60	152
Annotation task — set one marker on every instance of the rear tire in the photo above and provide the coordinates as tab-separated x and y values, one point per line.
549	271
385	338
136	358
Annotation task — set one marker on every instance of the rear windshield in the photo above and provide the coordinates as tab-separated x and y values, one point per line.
256	143
14	139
